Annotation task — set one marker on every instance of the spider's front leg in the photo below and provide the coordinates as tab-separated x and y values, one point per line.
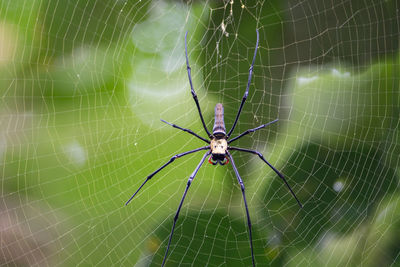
186	130
163	166
189	71
246	93
251	131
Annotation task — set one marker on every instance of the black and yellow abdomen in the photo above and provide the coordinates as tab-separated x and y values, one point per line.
219	130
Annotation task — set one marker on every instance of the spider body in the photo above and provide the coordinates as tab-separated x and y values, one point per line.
218	149
218	143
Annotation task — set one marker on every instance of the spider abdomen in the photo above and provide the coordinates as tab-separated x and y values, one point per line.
219	130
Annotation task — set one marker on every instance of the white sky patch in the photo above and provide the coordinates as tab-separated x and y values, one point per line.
274	239
3	146
337	73
8	43
162	34
326	239
75	153
338	186
383	213
306	80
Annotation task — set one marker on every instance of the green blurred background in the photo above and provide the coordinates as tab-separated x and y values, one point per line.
84	84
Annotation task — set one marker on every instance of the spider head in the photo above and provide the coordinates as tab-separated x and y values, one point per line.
222	159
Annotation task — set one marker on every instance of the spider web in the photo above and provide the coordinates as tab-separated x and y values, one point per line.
85	83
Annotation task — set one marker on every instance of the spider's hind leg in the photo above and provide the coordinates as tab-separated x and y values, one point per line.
272	167
180	204
245	204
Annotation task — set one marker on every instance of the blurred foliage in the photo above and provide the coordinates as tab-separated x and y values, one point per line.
340	192
71	24
215	238
84	83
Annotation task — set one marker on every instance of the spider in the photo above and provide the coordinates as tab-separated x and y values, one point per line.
218	150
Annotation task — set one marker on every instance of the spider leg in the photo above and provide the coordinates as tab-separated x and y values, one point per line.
189	70
272	167
245	204
251	131
247	88
163	166
187	130
189	182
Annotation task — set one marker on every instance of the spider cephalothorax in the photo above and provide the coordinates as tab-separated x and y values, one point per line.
218	147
